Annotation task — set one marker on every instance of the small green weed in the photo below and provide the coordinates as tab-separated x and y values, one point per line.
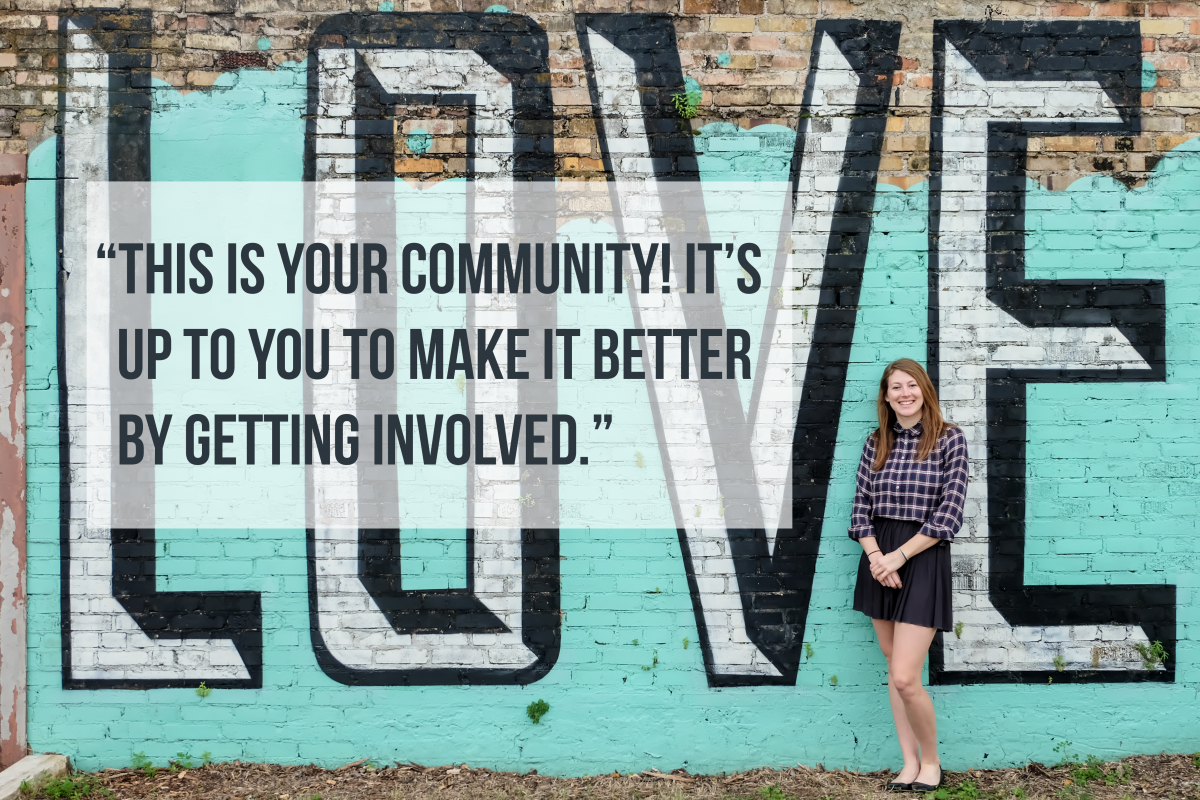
635	642
686	642
1060	663
808	650
68	787
181	761
833	680
202	690
1196	760
639	460
958	629
652	665
206	758
1152	656
772	793
687	104
1091	768
144	765
1122	774
1065	757
536	710
967	790
1020	793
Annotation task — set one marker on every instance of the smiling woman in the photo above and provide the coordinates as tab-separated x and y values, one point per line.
912	484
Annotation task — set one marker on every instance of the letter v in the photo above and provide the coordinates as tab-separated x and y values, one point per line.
756	537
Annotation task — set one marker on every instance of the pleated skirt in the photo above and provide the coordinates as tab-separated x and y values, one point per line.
924	596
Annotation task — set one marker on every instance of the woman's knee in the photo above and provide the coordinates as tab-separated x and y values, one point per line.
908	684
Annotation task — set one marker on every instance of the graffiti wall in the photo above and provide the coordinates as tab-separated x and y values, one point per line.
390	369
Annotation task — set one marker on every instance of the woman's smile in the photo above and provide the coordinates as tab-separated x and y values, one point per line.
904	396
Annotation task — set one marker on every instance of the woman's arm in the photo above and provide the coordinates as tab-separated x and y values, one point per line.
860	513
874	555
861	527
946	520
886	565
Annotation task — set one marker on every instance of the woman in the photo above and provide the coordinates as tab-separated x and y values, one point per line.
912	483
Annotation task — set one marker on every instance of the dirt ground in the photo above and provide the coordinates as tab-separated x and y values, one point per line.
1167	776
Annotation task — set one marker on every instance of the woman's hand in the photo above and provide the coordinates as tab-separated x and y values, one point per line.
884	567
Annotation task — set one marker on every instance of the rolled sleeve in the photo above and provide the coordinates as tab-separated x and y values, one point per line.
946	520
860	514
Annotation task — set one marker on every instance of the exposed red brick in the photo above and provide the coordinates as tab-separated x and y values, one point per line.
583	164
1169	44
1173	10
741	97
764	43
231	61
568	60
787	62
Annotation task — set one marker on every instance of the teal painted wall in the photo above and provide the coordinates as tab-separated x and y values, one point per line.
1114	471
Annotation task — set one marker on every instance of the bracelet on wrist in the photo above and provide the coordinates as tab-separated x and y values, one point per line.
901	549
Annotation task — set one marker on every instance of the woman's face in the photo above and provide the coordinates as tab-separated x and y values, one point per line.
904	396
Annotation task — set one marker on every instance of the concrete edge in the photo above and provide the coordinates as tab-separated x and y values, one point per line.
29	768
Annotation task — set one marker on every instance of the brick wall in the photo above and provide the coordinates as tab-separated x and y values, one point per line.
1002	191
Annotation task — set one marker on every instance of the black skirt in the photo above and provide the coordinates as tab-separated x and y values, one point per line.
924	597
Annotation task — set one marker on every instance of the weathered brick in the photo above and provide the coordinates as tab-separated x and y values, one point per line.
1173	10
203	41
1179	99
1158	27
731	25
1068	10
741	97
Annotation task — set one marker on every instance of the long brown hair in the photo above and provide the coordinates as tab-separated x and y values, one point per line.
932	423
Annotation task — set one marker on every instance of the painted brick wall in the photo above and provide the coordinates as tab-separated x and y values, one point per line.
1011	193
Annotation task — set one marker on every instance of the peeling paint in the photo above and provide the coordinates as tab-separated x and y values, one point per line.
13	656
12	404
12	636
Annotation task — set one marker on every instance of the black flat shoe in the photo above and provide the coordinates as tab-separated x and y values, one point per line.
925	787
895	786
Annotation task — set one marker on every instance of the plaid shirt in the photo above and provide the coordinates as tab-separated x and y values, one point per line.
931	492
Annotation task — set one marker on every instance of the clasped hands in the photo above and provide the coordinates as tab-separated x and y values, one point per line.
883	568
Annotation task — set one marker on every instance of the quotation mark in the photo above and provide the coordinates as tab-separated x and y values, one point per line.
607	420
112	251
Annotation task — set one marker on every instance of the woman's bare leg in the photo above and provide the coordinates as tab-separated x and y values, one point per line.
909	748
910	645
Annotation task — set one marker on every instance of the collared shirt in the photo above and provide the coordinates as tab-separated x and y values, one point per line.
931	492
